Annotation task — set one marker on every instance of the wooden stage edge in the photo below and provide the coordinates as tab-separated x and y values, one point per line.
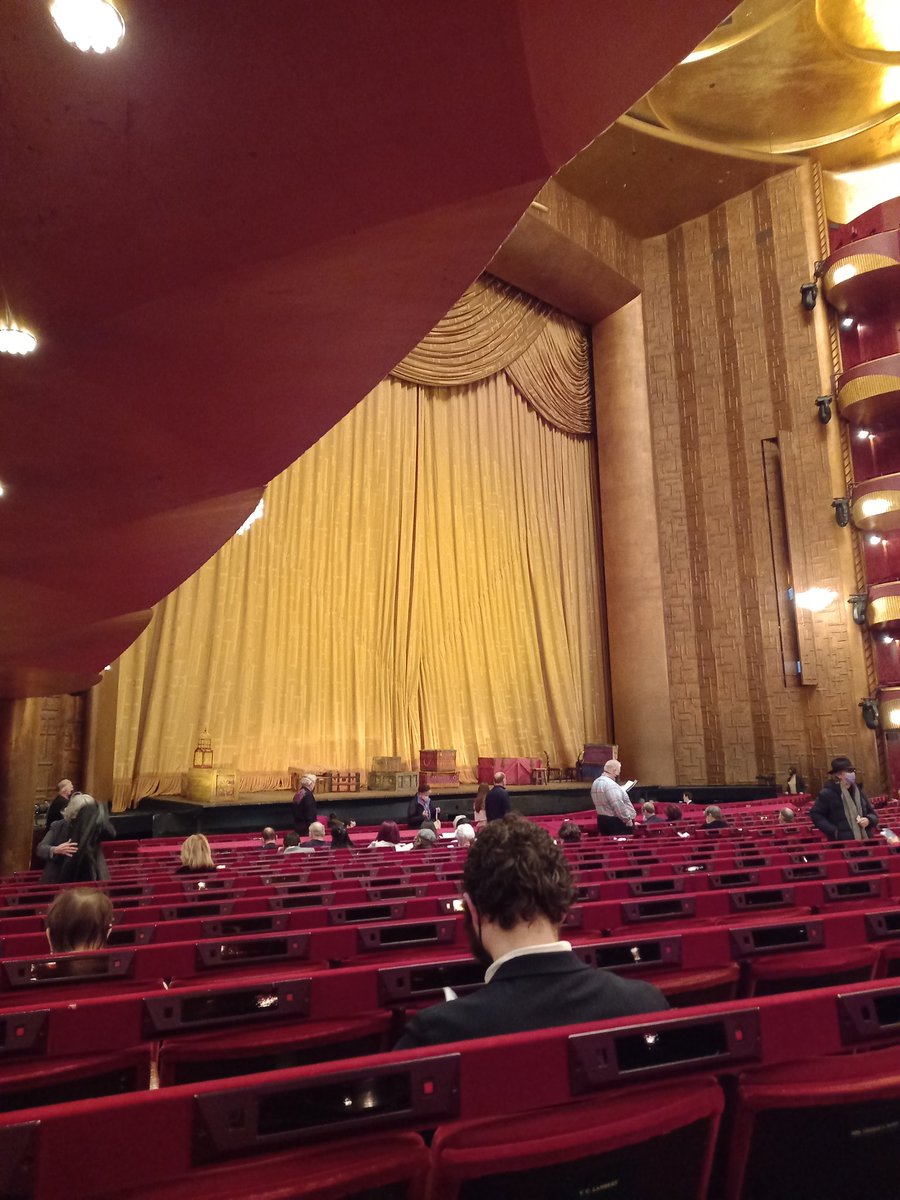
322	798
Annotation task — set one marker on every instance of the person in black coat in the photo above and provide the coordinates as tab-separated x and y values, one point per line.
304	805
53	850
517	888
496	802
842	810
419	810
90	828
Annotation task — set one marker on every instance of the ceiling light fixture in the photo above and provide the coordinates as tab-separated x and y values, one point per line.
862	434
875	540
14	339
815	599
875	507
847	322
845	271
89	24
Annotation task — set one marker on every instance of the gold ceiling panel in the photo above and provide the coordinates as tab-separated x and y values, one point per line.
867	29
746	21
787	87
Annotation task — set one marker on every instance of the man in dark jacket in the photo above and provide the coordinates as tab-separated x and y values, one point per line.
517	888
57	844
303	805
496	802
64	790
842	810
419	809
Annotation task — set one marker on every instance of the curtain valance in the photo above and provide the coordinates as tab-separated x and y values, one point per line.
494	327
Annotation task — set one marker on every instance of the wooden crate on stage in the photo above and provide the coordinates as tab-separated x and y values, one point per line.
437	760
439	778
323	778
212	785
516	770
345	781
393	781
386	762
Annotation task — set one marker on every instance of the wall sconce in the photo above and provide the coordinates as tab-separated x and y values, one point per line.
870	712
858	604
841	506
809	293
823	403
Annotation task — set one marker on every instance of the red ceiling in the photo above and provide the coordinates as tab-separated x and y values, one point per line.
226	232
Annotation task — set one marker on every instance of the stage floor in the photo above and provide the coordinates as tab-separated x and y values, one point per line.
464	791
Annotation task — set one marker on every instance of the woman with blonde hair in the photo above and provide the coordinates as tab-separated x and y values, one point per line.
480	815
196	856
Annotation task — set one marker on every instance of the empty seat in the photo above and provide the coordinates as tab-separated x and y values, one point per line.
828	1128
654	1141
30	1085
807	969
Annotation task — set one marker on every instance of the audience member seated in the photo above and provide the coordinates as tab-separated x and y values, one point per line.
615	812
388	836
786	816
57	844
340	832
317	837
64	790
496	802
89	829
461	819
687	798
420	809
425	839
478	812
196	856
648	808
712	817
517	888
842	810
673	812
465	835
569	831
78	919
269	838
290	843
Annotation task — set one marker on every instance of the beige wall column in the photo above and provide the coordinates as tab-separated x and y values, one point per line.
639	673
20	726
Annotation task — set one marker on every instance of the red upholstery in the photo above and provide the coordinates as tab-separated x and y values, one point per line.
28	1085
811	969
827	1127
654	1141
330	1171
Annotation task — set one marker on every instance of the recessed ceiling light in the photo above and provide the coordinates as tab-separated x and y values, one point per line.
2	491
15	340
862	434
89	24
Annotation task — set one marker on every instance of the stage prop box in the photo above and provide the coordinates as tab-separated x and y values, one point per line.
212	785
437	760
323	778
385	763
439	778
345	781
516	770
393	781
596	755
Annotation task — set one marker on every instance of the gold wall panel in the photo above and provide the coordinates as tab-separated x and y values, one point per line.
863	264
883	609
864	387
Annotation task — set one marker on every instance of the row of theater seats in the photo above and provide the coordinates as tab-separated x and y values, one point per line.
308	969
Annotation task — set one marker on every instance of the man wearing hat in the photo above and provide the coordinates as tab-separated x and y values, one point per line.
304	805
842	810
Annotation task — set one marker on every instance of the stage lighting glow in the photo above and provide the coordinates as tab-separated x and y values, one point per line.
815	599
89	24
257	513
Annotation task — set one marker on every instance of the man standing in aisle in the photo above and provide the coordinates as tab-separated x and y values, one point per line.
842	810
496	802
615	812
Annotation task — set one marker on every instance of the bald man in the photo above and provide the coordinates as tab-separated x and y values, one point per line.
615	812
64	789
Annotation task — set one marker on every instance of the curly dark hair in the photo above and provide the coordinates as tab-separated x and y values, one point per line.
514	872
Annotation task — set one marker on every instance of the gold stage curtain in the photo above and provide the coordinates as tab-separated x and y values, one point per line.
425	575
494	327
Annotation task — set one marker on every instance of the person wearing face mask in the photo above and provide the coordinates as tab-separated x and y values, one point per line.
842	810
517	888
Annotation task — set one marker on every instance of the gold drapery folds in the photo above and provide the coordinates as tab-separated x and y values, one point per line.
426	575
492	328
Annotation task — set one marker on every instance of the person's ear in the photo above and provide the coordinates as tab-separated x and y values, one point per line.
473	911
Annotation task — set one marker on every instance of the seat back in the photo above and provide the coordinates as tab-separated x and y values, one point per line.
655	1141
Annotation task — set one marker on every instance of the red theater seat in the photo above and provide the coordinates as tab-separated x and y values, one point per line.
807	969
392	1166
30	1085
823	1128
655	1141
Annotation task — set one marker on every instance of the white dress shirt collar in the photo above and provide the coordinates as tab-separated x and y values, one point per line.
549	948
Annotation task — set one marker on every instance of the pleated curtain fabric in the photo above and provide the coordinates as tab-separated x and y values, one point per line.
426	575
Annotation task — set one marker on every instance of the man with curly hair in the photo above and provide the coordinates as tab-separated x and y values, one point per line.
517	889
